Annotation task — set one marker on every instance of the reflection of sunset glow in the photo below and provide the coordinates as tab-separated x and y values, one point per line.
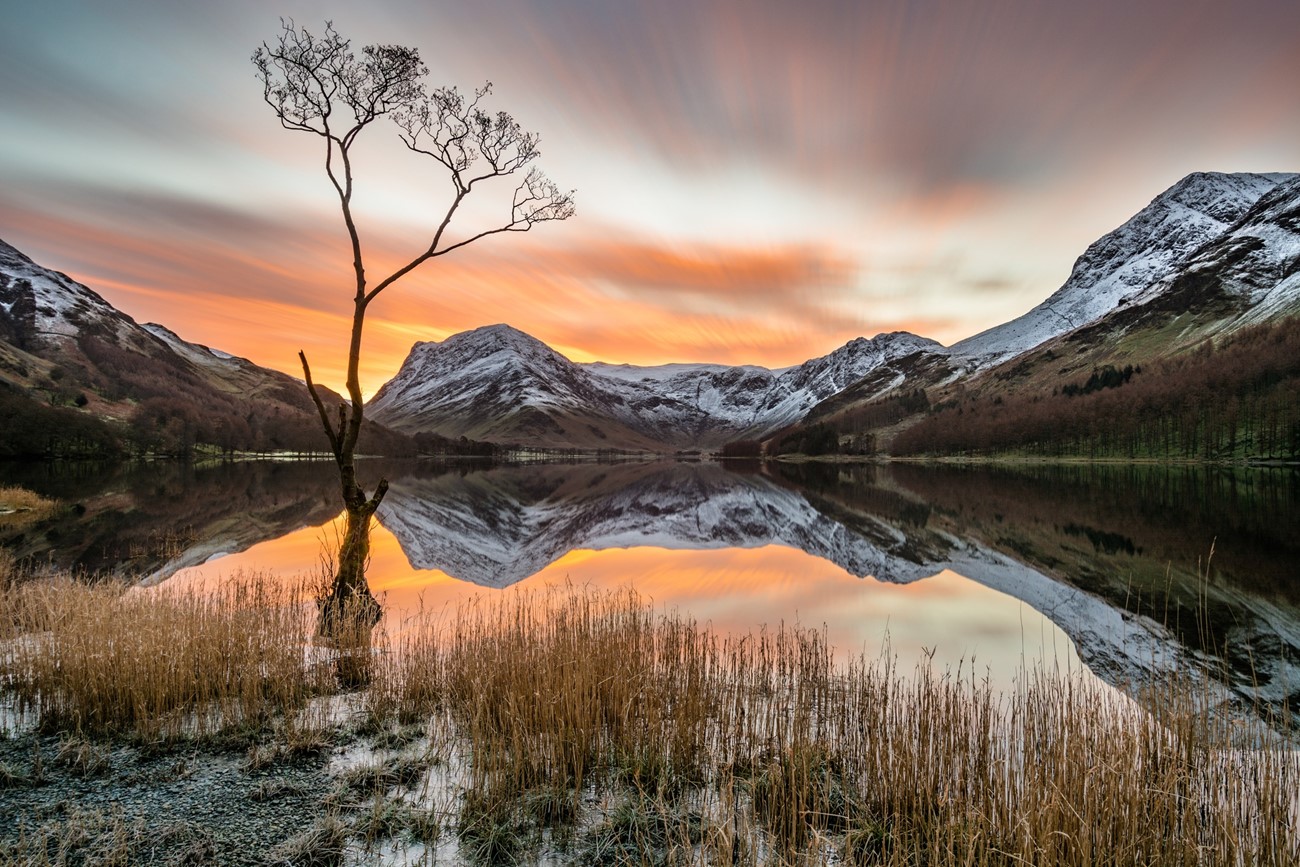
734	591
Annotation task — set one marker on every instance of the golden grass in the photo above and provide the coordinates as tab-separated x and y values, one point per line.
159	663
761	748
21	506
640	737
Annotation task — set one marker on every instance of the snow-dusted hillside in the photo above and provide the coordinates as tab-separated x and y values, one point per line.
63	345
498	383
1256	263
41	306
195	352
1124	266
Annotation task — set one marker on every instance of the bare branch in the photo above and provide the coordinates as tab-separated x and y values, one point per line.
378	497
306	78
320	406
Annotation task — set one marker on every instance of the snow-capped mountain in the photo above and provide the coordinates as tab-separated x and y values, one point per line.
39	306
1223	247
1124	266
497	383
1209	236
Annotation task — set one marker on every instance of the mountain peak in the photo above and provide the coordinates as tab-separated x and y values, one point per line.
891	342
1223	196
491	339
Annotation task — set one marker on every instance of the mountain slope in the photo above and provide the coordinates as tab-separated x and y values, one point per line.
65	350
1125	264
1246	274
1203	365
500	384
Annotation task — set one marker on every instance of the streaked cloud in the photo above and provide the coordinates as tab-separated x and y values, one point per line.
758	182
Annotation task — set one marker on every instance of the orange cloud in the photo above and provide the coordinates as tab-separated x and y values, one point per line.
612	298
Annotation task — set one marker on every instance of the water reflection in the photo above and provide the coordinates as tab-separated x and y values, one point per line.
956	562
501	525
154	518
1207	553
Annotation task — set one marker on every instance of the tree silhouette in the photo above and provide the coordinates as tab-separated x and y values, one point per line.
316	84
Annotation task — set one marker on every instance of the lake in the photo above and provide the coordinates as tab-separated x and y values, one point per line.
1132	571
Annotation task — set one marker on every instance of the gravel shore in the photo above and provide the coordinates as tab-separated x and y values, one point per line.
83	802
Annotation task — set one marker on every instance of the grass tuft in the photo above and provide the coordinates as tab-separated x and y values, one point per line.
19	506
324	844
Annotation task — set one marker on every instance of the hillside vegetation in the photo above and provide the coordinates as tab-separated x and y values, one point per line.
1238	399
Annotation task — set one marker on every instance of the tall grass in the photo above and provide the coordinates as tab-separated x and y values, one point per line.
158	664
624	735
763	748
20	506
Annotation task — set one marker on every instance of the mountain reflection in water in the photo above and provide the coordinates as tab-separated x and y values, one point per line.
1116	557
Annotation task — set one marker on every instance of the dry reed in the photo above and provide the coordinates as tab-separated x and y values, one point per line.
159	663
21	506
623	735
761	748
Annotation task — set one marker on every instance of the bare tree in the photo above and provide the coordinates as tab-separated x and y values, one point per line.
316	84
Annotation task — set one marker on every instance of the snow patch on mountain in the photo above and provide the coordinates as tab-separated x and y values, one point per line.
468	376
1258	260
57	305
1124	266
666	372
194	352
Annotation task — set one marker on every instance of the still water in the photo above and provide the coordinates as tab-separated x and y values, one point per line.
1130	571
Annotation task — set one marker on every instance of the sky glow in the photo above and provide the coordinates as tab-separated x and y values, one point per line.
757	182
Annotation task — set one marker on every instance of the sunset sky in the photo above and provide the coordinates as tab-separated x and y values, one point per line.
757	182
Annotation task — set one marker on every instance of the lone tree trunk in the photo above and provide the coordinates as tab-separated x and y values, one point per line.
316	84
349	601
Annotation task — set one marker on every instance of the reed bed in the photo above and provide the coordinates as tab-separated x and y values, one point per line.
19	506
158	664
761	749
588	727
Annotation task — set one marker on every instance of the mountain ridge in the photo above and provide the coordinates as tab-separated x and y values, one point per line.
1137	265
78	377
497	381
1223	247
